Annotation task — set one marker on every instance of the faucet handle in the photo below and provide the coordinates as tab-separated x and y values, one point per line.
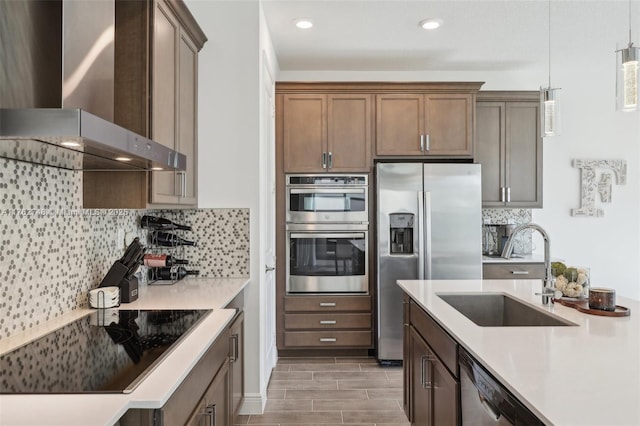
551	292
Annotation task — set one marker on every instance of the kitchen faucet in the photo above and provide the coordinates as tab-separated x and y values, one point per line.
547	285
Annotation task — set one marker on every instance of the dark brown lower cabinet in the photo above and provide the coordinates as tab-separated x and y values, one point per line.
212	392
236	357
213	408
431	389
420	386
406	356
445	391
320	322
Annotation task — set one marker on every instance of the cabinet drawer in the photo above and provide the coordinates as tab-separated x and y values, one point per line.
326	321
439	340
513	271
327	303
327	339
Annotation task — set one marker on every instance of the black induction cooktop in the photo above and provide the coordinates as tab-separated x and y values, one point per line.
108	351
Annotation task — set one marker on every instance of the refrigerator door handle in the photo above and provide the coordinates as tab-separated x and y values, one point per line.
420	232
427	235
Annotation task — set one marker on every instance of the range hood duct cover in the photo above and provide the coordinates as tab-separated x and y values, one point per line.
57	81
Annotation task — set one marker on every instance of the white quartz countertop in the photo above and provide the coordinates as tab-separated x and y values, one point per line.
517	258
194	293
157	387
581	375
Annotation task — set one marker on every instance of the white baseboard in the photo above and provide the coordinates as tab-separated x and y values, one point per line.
272	357
253	404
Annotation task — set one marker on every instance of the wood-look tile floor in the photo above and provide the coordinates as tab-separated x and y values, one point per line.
332	391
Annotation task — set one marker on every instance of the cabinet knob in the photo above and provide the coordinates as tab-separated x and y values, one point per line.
328	339
328	322
327	304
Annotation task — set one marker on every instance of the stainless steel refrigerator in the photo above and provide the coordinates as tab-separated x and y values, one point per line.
429	226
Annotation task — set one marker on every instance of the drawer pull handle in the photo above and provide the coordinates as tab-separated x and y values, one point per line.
328	322
327	304
328	339
520	272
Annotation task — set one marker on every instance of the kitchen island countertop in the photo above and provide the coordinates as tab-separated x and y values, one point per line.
584	375
157	387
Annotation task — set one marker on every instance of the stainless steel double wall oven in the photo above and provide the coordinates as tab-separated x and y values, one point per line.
327	234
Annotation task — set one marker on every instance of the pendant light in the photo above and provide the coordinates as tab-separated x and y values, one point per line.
627	90
550	100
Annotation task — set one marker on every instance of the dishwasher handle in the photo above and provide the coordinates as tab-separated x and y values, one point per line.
489	408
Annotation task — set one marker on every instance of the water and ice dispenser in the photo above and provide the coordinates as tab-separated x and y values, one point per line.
401	229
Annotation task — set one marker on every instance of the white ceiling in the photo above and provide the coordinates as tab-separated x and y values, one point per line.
477	35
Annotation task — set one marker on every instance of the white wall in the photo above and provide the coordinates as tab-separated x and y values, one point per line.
583	65
229	154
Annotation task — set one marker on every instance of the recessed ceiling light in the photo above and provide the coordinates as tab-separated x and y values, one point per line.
123	158
303	23
70	144
430	24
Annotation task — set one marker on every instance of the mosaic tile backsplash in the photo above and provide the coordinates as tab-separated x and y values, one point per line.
52	251
491	217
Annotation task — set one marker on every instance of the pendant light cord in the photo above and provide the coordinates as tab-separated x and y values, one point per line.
630	43
549	50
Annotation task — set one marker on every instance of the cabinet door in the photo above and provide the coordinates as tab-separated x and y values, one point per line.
187	120
165	39
349	132
196	418
523	155
446	391
399	124
236	357
406	357
449	124
216	397
304	133
490	150
420	402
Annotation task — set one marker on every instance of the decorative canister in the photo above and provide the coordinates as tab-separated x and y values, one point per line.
603	299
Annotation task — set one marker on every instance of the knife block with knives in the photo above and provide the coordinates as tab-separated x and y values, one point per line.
122	270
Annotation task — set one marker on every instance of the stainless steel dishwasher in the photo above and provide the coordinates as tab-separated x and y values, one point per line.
484	401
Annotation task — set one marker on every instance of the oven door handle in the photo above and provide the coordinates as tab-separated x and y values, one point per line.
327	191
328	235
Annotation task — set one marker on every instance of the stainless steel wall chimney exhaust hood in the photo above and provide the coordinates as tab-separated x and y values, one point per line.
59	62
74	139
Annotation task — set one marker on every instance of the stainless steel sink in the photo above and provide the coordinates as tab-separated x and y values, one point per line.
501	310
